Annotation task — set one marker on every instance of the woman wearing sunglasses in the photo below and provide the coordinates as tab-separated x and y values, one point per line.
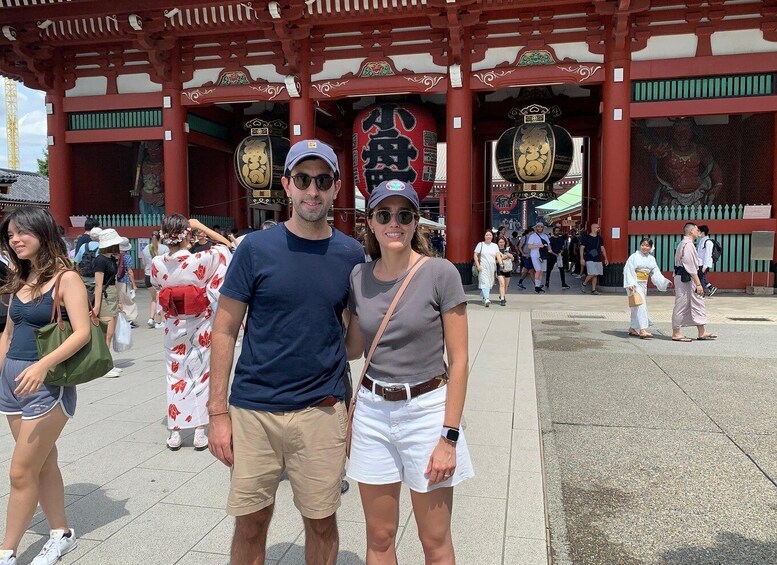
409	406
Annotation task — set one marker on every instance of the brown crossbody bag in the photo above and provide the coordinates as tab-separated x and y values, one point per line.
374	345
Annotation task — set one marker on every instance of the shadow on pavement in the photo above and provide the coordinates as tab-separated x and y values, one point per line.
294	554
729	548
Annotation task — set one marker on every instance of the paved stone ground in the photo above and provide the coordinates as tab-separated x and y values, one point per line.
655	451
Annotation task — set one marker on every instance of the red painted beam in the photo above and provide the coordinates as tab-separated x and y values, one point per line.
113	102
109	135
704	66
679	108
87	8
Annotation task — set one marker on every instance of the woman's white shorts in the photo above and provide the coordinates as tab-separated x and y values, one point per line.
392	441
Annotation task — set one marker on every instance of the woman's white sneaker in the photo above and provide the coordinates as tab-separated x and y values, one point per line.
174	441
6	557
57	546
200	439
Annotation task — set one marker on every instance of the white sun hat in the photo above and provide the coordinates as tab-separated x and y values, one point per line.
125	245
109	238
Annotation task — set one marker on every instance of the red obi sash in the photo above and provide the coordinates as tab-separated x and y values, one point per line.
183	300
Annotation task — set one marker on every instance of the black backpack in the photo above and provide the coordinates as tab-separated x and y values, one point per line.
86	266
717	251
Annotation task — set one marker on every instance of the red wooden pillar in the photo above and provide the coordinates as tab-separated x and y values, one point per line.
345	218
595	177
175	143
616	152
481	193
774	179
301	109
60	170
459	173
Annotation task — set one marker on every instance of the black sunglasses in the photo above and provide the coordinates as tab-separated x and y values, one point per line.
404	217
323	182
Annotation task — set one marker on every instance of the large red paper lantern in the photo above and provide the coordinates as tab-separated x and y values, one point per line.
394	141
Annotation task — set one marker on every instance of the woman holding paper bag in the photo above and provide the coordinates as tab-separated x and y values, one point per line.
640	267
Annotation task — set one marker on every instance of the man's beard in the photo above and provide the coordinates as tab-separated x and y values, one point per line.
310	215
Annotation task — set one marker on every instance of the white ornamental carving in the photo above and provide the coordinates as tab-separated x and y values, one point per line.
269	89
325	87
584	71
489	77
426	80
194	95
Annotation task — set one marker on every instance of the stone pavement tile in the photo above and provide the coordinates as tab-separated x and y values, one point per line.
479	377
6	447
477	528
523	551
107	510
104	465
525	506
492	467
89	439
525	415
209	487
490	398
163	534
154	410
655	495
618	391
200	558
185	459
488	428
86	415
525	455
135	394
762	448
155	432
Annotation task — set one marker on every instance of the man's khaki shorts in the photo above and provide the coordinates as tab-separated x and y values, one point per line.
308	443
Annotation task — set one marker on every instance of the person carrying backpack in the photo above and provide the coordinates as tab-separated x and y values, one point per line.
709	252
85	258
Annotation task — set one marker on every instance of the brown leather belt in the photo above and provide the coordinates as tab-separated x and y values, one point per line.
399	392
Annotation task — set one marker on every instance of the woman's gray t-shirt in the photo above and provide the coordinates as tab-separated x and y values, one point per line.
411	349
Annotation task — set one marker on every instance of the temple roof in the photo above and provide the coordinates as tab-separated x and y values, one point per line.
27	188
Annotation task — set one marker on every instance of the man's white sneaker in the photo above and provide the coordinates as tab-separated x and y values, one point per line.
200	439
6	557
57	546
160	326
174	441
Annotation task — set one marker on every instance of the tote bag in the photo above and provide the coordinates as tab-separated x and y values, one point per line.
93	360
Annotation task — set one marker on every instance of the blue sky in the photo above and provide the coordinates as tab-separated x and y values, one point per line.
32	127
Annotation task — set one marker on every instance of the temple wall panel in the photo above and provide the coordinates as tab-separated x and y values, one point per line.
103	174
89	86
577	51
136	84
209	171
420	63
264	72
201	76
744	41
338	68
667	47
495	57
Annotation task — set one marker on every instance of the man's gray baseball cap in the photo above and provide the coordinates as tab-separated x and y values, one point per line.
309	148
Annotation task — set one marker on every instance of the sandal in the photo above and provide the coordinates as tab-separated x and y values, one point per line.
707	337
646	336
633	332
682	339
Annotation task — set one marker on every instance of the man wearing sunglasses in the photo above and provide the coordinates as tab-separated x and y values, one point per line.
286	407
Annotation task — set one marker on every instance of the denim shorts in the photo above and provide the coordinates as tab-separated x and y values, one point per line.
34	405
392	441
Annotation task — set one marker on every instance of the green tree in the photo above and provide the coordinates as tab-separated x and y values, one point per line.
43	164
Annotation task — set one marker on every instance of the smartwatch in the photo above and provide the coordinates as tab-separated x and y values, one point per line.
451	434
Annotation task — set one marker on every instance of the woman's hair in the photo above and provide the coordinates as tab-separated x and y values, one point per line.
109	250
646	240
175	229
52	255
154	245
419	243
500	240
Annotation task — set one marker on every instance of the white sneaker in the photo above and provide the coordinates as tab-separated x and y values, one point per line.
150	323
200	439
6	557
57	546
112	374
117	369
160	325
174	441
487	303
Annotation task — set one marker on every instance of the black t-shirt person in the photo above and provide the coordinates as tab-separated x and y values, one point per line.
107	265
593	247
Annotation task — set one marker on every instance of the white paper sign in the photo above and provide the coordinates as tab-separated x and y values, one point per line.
762	212
616	233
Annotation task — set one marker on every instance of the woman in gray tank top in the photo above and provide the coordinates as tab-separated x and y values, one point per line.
37	412
408	409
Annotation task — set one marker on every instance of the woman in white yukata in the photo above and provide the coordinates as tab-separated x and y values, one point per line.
188	287
487	257
640	267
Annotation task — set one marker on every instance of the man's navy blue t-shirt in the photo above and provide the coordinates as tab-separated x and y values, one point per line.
293	352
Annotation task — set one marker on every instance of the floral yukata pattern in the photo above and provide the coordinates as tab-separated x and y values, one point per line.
187	337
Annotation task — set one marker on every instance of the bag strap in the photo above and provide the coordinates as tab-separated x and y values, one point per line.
382	327
56	308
